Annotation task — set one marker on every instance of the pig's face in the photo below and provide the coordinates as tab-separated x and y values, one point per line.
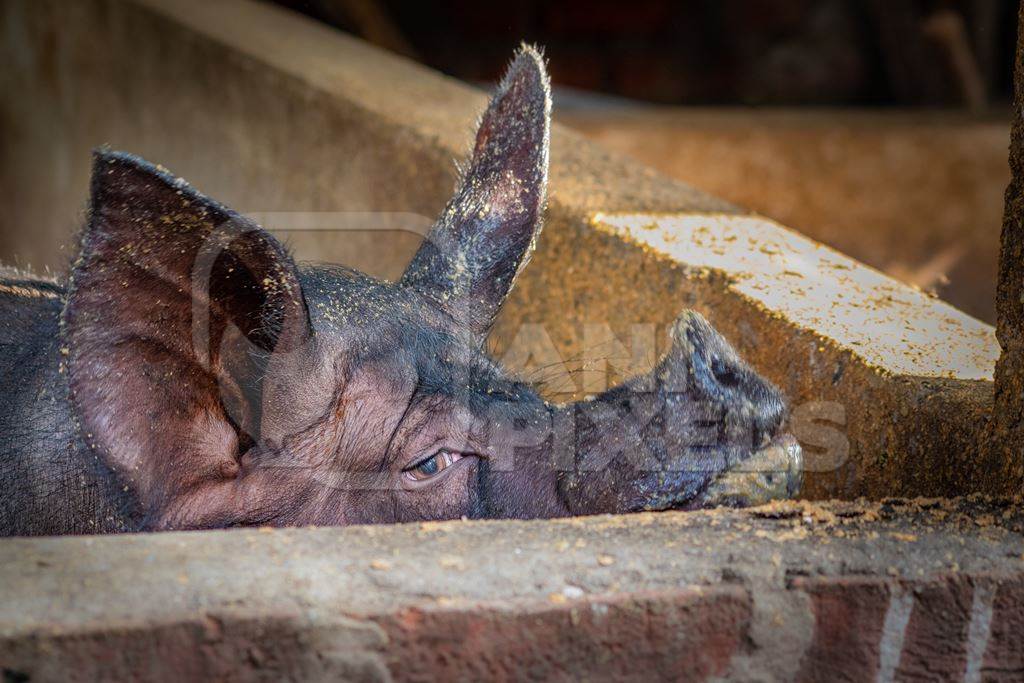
226	386
407	418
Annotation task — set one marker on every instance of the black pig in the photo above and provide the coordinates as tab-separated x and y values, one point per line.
189	375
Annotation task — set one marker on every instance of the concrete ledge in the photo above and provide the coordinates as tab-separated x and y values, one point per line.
270	112
789	592
915	194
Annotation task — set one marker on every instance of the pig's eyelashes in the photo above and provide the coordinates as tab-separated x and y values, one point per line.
432	466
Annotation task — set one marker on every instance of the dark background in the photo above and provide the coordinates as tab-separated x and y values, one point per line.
927	53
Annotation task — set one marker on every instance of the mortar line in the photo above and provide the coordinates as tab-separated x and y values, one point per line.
890	647
978	631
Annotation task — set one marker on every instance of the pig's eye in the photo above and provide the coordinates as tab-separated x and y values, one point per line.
432	466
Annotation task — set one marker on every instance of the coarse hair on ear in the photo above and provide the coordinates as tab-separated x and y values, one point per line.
174	305
468	263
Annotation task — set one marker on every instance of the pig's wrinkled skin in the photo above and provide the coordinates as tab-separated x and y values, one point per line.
187	374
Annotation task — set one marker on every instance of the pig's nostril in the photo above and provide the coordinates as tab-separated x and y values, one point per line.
724	373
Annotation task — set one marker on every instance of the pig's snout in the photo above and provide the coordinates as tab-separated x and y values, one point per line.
754	407
774	472
771	465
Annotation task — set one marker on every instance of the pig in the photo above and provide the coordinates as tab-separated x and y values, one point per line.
188	374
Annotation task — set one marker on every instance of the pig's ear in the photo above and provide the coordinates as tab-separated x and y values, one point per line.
175	306
470	259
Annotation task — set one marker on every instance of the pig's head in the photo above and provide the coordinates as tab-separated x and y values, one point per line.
224	385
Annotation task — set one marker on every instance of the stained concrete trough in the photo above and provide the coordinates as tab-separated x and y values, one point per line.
916	194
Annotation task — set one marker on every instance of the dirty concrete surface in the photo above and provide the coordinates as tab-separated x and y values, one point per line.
896	329
917	195
726	592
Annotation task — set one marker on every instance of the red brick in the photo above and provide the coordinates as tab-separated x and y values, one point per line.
936	637
1004	656
681	635
849	617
